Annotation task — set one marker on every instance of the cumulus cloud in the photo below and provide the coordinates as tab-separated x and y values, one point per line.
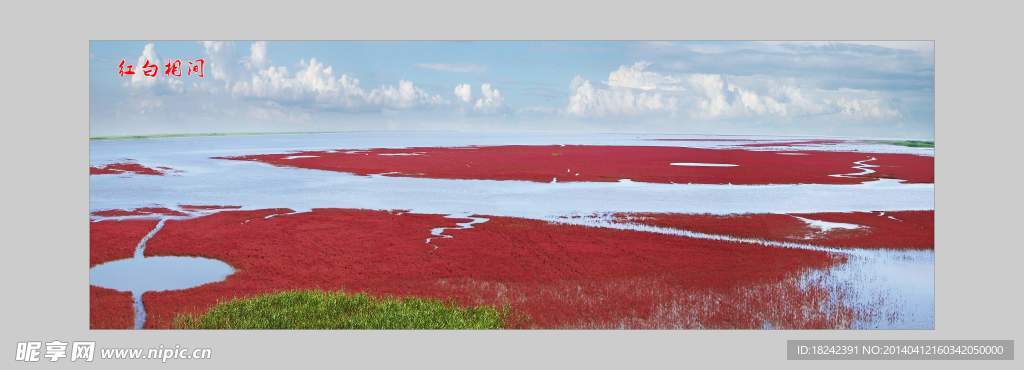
635	89
160	82
316	82
864	108
717	98
257	55
490	101
586	100
464	93
637	77
405	96
220	57
313	83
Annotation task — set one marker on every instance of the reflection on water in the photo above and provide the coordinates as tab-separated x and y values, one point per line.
887	289
153	274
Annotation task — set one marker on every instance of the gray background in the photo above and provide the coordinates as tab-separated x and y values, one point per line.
45	181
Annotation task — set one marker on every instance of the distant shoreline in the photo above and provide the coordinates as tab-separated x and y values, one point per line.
892	141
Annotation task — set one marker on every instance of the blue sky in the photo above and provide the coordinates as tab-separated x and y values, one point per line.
867	89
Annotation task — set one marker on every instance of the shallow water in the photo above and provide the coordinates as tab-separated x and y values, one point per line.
902	282
256	185
154	274
889	290
439	232
139	275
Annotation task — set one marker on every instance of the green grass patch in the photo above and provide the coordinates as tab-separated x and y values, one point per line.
310	309
912	143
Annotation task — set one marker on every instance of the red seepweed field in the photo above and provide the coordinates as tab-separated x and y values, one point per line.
891	230
693	270
550	275
574	163
707	185
127	168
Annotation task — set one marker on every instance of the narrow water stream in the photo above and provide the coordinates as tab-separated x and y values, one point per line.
438	232
141	274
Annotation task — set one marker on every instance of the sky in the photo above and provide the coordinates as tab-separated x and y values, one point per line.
877	89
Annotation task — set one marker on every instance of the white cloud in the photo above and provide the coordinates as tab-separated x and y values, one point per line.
637	77
464	92
214	46
313	83
160	81
718	98
220	57
634	89
585	100
490	99
452	67
316	83
865	108
257	55
405	96
148	55
630	90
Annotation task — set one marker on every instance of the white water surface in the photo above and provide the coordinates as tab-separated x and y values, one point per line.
253	185
202	180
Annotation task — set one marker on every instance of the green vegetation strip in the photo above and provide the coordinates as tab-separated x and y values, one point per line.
338	310
912	143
